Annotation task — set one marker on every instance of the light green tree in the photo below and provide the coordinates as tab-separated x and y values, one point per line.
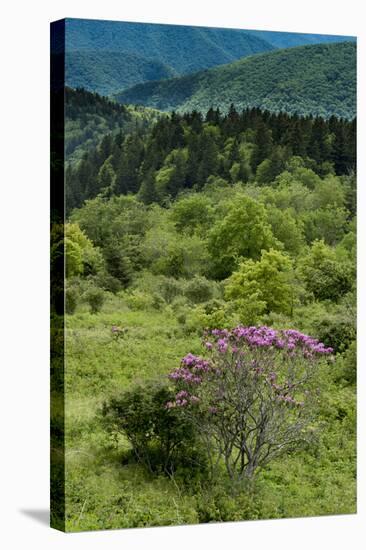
107	178
324	275
80	254
192	214
287	228
242	233
263	286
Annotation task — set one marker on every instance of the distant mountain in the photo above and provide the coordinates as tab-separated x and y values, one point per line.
291	39
89	117
107	72
110	56
317	79
182	48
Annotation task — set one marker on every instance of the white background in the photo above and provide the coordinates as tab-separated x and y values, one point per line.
24	206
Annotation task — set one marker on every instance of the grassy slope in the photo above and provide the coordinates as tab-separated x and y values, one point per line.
97	366
316	79
104	492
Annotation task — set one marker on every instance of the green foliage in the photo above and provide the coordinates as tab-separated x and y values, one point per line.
71	300
286	228
263	286
184	152
167	252
193	213
266	201
95	299
90	117
319	79
325	277
106	178
325	223
243	232
182	48
349	359
337	325
118	226
161	441
118	492
271	167
138	300
110	71
289	194
199	289
219	504
118	262
80	254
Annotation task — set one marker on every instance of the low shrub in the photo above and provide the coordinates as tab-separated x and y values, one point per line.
219	504
348	363
95	298
336	331
253	399
199	289
170	288
139	300
161	440
71	300
213	314
108	282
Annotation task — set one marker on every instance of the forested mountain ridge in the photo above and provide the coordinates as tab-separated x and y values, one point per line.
106	72
317	79
178	228
291	39
183	48
182	152
110	56
89	117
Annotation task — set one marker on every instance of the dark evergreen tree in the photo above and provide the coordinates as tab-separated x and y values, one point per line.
127	176
232	122
209	158
147	193
263	144
213	116
319	147
194	150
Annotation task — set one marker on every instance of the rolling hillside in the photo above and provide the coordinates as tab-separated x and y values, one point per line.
317	79
90	117
291	39
184	49
107	72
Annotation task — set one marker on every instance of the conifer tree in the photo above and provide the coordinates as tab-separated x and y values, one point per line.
263	145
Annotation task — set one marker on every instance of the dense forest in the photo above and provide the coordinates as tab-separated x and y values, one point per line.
109	72
182	48
318	79
210	295
200	224
89	117
181	152
101	59
292	39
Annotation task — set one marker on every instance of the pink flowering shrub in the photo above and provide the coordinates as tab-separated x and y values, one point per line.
252	397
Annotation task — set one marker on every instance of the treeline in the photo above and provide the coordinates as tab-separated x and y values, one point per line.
229	254
90	116
79	99
318	80
107	72
182	152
